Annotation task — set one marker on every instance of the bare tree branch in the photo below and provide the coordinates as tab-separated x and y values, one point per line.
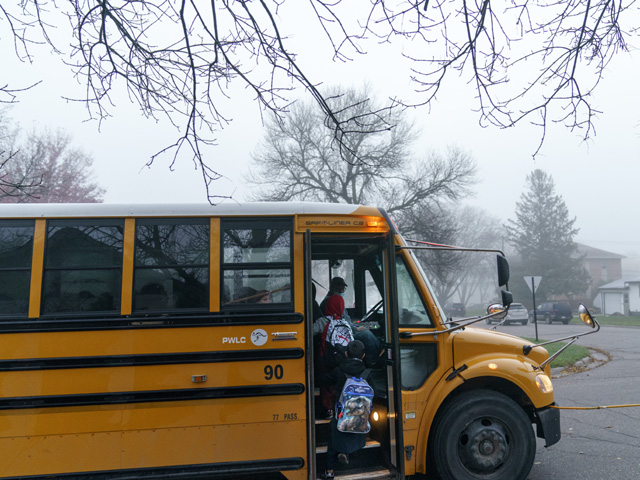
527	61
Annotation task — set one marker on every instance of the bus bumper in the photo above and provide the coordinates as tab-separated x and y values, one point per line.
548	425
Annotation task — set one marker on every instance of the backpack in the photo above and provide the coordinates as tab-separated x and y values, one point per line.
354	405
339	332
334	340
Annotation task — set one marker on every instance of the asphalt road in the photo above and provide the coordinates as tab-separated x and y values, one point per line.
595	444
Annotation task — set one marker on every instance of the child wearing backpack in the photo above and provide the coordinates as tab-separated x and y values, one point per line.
336	334
340	331
353	438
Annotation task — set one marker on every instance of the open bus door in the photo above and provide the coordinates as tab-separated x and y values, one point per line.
366	262
394	355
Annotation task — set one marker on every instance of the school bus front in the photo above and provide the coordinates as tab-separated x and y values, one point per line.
470	395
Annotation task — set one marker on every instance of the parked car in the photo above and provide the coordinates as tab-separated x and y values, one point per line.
517	313
455	310
553	312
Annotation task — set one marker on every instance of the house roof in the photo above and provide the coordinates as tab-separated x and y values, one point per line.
615	285
634	280
591	253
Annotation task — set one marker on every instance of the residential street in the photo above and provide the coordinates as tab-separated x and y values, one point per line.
595	444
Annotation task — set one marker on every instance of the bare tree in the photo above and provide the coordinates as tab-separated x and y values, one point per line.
45	169
298	160
460	273
539	61
11	184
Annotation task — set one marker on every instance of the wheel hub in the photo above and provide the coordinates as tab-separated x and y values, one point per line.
483	445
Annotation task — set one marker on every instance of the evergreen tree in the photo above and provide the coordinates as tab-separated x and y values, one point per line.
542	235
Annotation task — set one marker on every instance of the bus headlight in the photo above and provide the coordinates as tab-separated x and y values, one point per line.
544	383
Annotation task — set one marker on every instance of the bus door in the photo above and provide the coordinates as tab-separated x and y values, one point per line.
422	358
364	264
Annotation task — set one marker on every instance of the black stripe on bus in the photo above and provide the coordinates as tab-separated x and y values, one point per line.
73	323
146	396
201	471
28	364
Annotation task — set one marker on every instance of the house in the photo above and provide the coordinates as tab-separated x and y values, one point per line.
603	267
634	295
613	298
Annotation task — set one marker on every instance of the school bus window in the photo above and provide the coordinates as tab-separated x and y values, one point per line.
257	266
16	249
83	266
425	278
418	362
256	245
410	305
373	296
171	269
252	286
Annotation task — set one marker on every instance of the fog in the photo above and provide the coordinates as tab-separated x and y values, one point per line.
598	178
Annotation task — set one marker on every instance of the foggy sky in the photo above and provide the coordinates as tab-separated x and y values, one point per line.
598	179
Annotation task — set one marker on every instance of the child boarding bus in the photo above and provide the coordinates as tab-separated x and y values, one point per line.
176	341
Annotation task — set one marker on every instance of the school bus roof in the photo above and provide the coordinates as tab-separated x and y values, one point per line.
230	208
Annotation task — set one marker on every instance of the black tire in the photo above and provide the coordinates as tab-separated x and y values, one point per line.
547	318
482	435
524	322
565	321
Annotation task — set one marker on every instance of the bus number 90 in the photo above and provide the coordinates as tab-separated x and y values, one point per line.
270	372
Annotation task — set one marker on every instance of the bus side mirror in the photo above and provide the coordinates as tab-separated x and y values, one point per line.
585	316
507	298
498	311
503	271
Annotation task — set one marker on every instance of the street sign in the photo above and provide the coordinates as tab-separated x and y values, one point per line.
532	283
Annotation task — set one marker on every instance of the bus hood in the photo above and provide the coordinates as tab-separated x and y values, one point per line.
476	343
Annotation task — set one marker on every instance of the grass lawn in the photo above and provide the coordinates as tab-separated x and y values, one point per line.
570	356
632	321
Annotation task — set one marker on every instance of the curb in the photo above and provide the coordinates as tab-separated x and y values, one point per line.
596	359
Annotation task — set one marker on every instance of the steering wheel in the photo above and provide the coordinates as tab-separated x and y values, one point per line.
371	311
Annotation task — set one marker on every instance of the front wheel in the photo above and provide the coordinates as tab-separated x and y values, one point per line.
482	434
547	318
524	322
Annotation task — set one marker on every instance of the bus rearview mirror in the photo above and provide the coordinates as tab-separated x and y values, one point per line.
503	271
507	298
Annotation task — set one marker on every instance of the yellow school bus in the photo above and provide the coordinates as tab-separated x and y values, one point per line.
135	343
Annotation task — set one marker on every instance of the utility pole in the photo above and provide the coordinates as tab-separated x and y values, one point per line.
533	285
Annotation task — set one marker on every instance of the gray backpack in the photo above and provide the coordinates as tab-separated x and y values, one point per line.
339	332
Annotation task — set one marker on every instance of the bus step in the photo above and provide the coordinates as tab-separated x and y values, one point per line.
369	444
380	474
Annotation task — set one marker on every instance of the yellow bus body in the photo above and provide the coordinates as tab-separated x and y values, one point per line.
151	392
